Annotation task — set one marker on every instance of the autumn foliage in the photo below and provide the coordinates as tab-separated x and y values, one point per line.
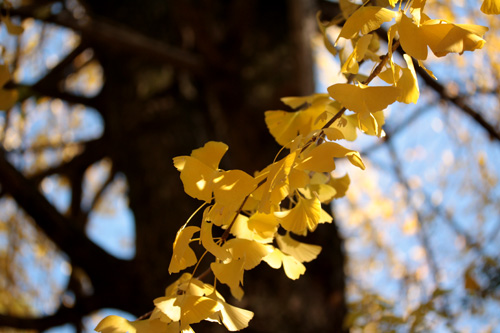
260	214
244	219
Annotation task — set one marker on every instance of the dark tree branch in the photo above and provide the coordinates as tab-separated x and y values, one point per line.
61	317
122	40
49	85
43	90
58	72
76	197
81	250
458	101
422	233
95	150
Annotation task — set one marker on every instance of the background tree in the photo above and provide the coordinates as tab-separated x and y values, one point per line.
174	75
162	79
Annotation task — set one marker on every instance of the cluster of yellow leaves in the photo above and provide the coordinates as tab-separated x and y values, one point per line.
187	301
250	208
259	214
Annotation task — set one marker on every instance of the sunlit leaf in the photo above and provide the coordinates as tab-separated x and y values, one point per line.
249	251
235	318
365	19
301	251
341	185
275	187
358	54
443	37
183	256
321	158
285	126
230	190
408	83
491	7
230	273
362	98
304	216
412	39
116	324
208	242
195	308
292	267
261	227
200	169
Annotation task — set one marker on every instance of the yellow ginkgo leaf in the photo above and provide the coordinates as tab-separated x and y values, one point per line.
491	7
235	318
183	256
324	192
230	190
301	251
208	242
408	83
116	324
341	185
371	123
195	309
167	306
412	39
355	158
230	273
259	227
304	216
347	7
363	99
298	179
347	125
185	284
292	267
249	251
240	228
200	169
443	37
333	134
285	126
324	217
365	19
387	75
232	317
358	54
418	4
211	153
305	101
321	158
264	226
275	187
